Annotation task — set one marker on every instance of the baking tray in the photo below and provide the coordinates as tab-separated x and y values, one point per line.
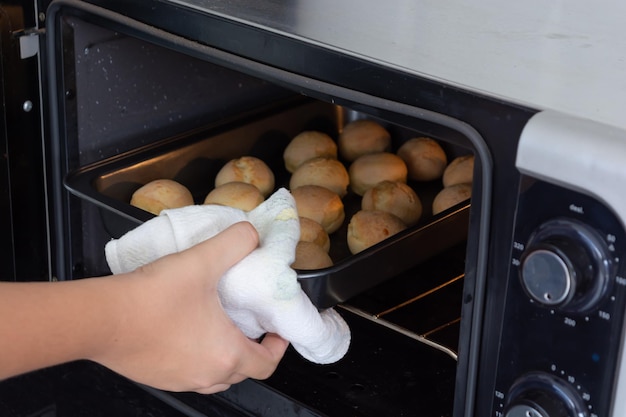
195	157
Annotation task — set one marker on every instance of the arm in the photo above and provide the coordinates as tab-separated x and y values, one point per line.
161	325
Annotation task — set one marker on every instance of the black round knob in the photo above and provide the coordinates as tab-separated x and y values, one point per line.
537	404
567	265
538	394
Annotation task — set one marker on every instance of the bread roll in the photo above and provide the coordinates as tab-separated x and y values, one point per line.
321	205
325	172
308	145
247	169
451	196
237	194
161	194
312	231
424	158
362	137
369	170
369	227
395	198
311	256
460	170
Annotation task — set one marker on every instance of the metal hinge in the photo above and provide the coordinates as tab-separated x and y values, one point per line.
29	41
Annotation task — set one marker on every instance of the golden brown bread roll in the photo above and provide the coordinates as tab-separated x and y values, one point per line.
321	205
460	170
312	231
161	194
361	137
308	145
424	158
451	196
395	198
325	172
236	194
311	256
369	227
369	170
247	169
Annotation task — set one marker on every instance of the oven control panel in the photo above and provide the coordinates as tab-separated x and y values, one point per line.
564	307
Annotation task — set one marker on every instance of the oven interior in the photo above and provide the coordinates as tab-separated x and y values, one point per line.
134	111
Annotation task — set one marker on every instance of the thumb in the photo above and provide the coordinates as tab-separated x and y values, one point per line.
223	250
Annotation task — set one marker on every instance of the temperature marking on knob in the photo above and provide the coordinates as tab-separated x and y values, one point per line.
500	396
576	209
611	239
515	262
569	321
604	315
620	280
518	246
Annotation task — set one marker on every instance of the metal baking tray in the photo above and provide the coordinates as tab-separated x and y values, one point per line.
195	157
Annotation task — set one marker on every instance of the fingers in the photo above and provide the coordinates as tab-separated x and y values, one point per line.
275	345
256	360
213	389
264	357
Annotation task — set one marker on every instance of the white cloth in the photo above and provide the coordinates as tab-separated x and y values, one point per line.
260	293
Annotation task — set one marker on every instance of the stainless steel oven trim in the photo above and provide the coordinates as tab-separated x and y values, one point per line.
310	86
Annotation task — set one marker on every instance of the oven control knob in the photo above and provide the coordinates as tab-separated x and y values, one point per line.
539	394
566	265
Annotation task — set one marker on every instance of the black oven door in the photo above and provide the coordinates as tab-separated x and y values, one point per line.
49	213
23	205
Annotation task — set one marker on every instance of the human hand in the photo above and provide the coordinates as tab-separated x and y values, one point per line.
173	333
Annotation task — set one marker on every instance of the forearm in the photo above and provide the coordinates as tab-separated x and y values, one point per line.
44	324
162	325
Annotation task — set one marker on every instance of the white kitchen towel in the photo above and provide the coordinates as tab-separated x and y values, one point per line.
260	293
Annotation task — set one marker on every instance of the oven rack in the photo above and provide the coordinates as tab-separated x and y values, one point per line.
423	338
424	303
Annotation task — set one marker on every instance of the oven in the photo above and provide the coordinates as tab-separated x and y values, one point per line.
507	304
